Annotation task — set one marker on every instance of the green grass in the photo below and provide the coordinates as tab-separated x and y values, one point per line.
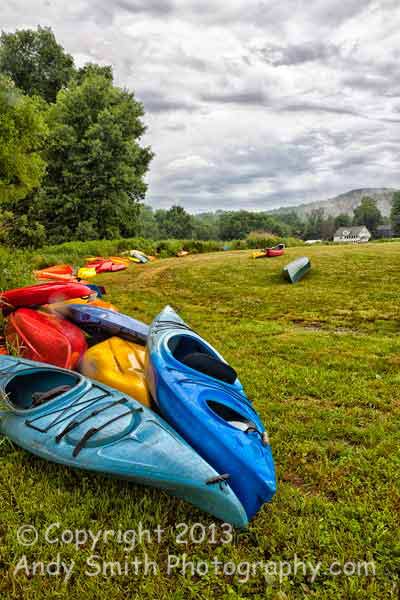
321	361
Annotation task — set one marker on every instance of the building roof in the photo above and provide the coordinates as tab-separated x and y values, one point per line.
351	230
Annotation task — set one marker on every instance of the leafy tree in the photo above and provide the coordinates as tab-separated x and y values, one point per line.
314	225
238	224
36	63
174	223
293	220
328	228
93	69
395	213
147	225
96	166
22	135
368	214
21	231
205	226
342	220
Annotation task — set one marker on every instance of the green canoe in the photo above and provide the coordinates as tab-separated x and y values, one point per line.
295	270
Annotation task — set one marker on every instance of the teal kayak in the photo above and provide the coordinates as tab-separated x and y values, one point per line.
66	418
296	270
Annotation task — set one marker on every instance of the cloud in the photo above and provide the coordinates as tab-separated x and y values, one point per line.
250	104
239	97
152	7
155	102
311	51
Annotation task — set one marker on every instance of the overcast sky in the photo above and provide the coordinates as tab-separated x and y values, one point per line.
249	104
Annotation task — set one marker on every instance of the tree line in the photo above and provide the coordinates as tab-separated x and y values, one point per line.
236	225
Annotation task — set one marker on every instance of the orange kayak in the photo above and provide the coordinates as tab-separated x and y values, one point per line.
57	273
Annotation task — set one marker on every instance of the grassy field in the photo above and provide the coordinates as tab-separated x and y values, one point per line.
321	361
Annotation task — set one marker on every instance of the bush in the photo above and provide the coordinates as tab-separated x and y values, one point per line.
75	252
15	268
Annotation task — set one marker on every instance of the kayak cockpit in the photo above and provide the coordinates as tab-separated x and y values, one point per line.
194	353
182	345
231	416
30	389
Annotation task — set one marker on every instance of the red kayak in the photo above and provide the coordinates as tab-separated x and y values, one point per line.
106	266
43	293
3	347
276	250
45	338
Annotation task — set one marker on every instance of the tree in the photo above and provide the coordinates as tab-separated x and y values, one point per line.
93	69
205	226
314	225
295	223
22	135
368	214
395	213
147	225
36	63
342	220
96	166
174	223
328	228
21	231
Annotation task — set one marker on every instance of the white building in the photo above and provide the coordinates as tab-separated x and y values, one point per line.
352	234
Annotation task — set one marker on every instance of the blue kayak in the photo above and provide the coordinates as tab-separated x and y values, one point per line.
143	259
93	318
66	418
99	289
197	394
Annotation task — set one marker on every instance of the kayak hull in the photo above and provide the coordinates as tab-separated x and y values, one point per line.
270	252
119	364
296	270
198	407
113	323
106	266
44	293
45	338
56	273
93	427
86	273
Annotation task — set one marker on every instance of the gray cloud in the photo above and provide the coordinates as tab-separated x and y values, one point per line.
156	102
154	7
240	97
298	54
250	104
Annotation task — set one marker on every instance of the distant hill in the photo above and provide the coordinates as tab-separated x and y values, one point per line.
346	203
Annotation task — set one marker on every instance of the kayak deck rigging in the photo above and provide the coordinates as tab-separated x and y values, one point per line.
87	403
93	430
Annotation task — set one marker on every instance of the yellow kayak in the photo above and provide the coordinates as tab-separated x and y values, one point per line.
86	272
258	254
119	364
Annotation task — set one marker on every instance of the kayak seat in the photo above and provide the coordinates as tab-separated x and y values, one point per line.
28	389
209	365
39	398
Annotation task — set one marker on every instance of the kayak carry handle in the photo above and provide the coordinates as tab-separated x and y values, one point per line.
218	479
263	434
